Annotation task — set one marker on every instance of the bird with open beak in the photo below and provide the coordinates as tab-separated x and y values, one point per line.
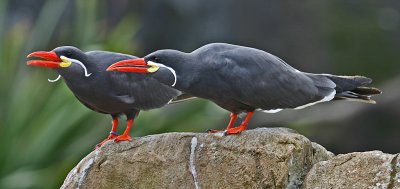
243	79
105	92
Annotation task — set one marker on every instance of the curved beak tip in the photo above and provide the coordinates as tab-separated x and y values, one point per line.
36	54
110	69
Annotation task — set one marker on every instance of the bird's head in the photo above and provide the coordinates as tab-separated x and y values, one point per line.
163	63
66	58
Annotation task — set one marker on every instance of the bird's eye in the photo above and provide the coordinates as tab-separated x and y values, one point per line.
156	59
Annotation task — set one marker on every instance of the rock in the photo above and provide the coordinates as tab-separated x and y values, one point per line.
260	158
320	153
356	170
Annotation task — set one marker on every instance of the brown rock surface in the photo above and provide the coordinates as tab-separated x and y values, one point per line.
260	158
356	170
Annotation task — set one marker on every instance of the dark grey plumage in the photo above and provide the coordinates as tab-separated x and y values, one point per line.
110	92
106	92
242	79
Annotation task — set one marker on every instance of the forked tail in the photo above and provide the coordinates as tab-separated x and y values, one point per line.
353	88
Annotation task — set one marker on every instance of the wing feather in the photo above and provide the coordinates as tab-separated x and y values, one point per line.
264	81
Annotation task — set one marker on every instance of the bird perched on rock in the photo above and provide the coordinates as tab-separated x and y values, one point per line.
244	79
105	92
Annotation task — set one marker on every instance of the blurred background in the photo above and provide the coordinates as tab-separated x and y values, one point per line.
45	131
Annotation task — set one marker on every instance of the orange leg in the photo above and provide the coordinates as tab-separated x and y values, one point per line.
242	126
113	133
232	121
125	136
230	125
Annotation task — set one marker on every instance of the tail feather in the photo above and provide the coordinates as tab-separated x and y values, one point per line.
367	91
348	83
352	96
353	88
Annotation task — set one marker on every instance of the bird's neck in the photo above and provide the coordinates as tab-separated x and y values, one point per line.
179	75
77	76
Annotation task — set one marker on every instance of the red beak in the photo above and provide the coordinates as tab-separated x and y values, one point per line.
51	59
138	65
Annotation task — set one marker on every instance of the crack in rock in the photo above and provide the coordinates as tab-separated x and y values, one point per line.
87	166
393	173
192	164
85	171
345	161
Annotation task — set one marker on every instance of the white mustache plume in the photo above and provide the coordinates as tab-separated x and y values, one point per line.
76	62
54	80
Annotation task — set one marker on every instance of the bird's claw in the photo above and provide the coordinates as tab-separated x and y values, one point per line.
220	133
226	132
214	131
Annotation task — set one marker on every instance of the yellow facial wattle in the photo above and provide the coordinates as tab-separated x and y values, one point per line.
153	68
65	62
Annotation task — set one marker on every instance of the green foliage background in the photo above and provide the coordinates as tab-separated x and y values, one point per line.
44	130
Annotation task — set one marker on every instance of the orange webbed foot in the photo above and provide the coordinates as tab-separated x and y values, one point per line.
123	138
110	137
236	130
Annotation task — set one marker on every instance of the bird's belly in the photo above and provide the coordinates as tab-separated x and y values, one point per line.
120	100
122	103
108	106
222	97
